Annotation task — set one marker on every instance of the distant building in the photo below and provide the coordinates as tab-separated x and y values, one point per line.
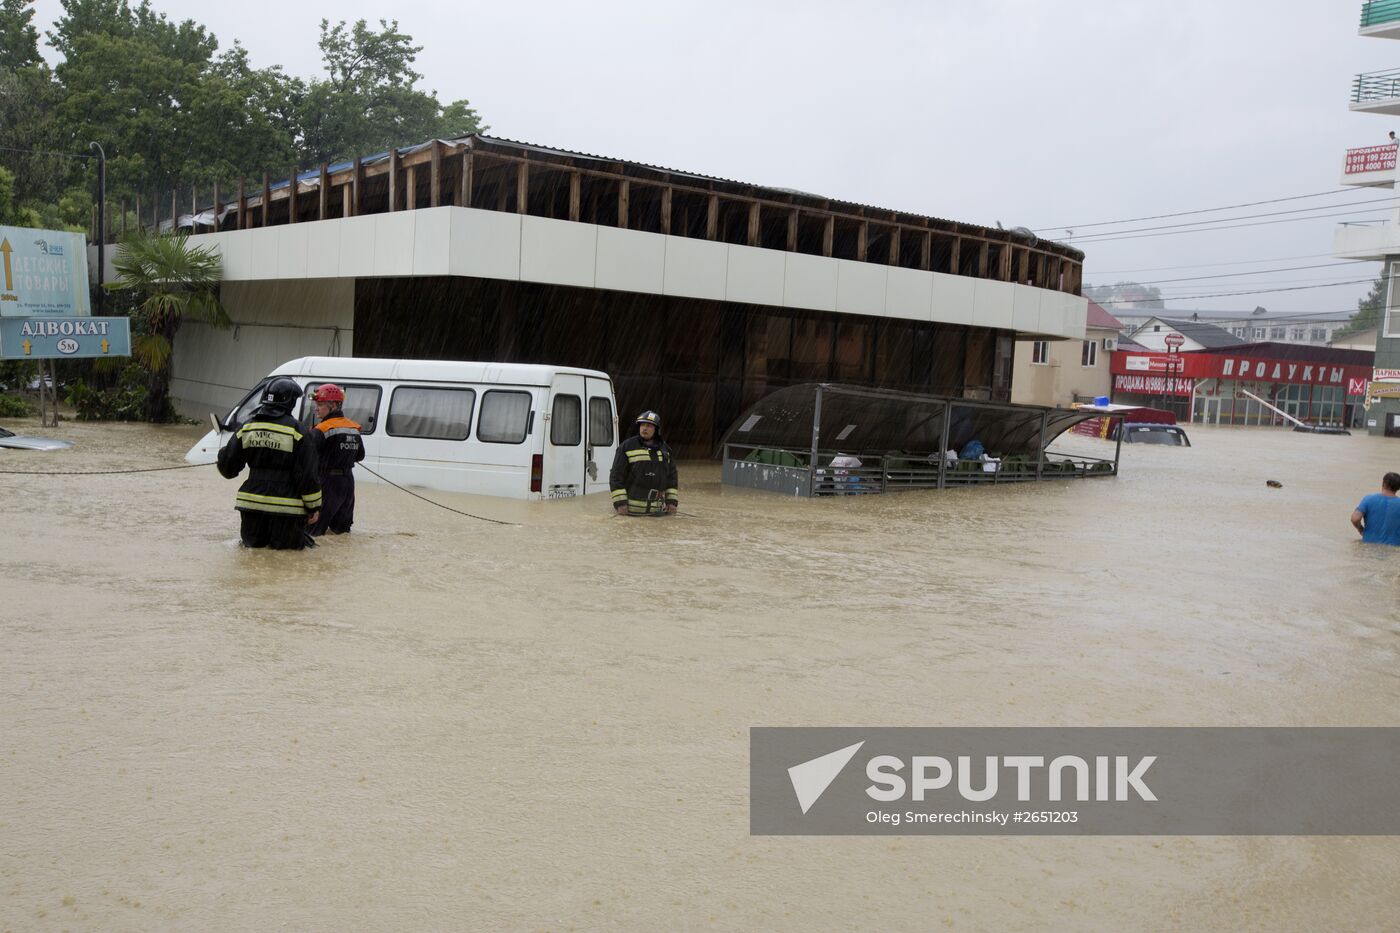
1197	335
1319	385
1058	372
1310	329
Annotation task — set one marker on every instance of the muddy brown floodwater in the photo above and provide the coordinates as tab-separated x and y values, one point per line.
442	724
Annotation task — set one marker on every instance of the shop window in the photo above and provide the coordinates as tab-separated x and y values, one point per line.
1040	352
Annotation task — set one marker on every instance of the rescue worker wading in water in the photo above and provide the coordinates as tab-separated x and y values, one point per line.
281	497
340	447
643	477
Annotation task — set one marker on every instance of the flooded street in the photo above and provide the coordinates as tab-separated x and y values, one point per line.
440	724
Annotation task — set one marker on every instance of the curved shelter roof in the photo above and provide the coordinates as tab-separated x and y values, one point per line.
859	420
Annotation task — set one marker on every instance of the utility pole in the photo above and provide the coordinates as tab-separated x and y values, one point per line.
101	226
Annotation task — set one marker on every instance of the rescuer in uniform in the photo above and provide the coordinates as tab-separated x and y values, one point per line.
338	441
643	477
281	498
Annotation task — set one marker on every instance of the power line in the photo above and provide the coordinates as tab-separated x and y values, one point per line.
1207	223
1229	275
1234	262
66	155
1204	210
1264	291
1257	223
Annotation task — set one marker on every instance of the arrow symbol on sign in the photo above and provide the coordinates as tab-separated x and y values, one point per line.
104	344
9	279
26	344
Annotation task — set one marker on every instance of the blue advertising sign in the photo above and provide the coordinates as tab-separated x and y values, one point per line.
44	272
43	338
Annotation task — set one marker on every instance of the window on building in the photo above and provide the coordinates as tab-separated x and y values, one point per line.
1298	333
1258	333
1089	356
1319	334
1040	351
1240	331
1278	333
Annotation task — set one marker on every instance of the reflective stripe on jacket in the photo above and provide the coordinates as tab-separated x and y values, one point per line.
643	477
338	443
282	475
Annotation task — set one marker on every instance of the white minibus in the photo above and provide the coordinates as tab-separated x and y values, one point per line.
518	430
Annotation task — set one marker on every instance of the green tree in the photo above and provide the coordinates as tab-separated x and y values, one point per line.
19	40
367	102
1368	311
173	282
167	108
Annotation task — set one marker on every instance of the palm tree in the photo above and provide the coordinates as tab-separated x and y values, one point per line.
174	282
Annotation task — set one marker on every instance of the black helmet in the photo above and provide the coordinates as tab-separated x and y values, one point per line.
651	418
282	393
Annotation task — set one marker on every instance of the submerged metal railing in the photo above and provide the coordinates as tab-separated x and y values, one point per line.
1375	12
790	471
1375	86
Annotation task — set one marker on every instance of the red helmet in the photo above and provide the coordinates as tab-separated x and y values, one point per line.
330	392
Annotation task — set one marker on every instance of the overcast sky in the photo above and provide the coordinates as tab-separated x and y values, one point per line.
1050	115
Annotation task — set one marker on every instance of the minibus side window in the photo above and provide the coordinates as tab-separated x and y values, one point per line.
361	405
566	422
505	417
600	422
436	414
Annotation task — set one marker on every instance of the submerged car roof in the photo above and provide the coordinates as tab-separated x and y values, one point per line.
349	367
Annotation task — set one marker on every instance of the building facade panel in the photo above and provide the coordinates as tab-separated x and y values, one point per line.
558	252
629	261
485	244
696	268
809	282
861	287
754	275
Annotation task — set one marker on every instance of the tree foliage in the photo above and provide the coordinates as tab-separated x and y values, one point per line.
173	282
368	102
172	108
1368	311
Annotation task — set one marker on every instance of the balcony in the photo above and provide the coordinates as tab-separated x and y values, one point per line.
1381	18
1370	166
1376	92
1367	241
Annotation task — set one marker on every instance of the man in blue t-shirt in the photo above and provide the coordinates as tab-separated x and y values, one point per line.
1377	518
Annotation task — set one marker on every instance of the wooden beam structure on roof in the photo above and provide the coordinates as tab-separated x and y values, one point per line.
1047	266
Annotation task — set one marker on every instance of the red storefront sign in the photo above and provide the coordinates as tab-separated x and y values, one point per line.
1239	368
1370	159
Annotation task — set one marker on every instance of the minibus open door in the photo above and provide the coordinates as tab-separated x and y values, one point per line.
564	466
